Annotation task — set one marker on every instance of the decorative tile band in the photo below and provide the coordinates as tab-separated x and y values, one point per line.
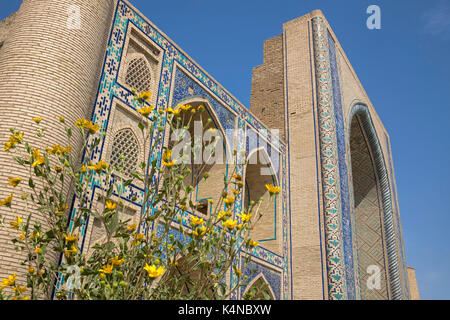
343	172
336	276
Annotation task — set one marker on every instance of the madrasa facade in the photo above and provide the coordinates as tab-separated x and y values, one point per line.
336	222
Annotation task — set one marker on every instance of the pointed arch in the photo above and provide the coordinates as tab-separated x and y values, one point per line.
259	282
197	100
258	172
215	162
361	114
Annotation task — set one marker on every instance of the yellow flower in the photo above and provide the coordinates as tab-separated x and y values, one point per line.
14	181
99	166
238	271
185	107
237	177
154	272
89	125
30	269
111	205
116	260
71	238
13	140
35	235
92	127
80	123
58	149
229	200
245	217
201	108
167	158
210	200
39	161
57	169
252	243
167	155
18	137
7	201
144	95
195	221
8	146
22	236
37	119
83	169
224	214
272	189
72	250
35	153
139	236
131	227
38	250
108	269
172	111
199	231
145	111
236	192
230	224
16	224
169	164
9	281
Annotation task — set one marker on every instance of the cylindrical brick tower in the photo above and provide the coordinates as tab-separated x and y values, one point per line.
48	68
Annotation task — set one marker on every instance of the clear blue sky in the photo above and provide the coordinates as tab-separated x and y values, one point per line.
404	68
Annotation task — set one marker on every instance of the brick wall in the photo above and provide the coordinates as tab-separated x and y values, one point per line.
46	70
267	96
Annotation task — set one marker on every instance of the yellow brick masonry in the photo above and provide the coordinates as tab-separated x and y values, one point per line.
46	70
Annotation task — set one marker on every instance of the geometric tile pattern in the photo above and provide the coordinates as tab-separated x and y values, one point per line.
138	75
343	172
125	144
334	248
367	213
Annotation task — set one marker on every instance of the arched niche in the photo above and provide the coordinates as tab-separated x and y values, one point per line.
256	287
212	161
259	172
376	241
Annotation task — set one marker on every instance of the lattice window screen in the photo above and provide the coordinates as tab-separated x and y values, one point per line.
138	75
125	143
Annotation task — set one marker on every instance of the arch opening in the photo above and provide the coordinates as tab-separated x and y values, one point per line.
258	289
258	173
203	147
375	237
